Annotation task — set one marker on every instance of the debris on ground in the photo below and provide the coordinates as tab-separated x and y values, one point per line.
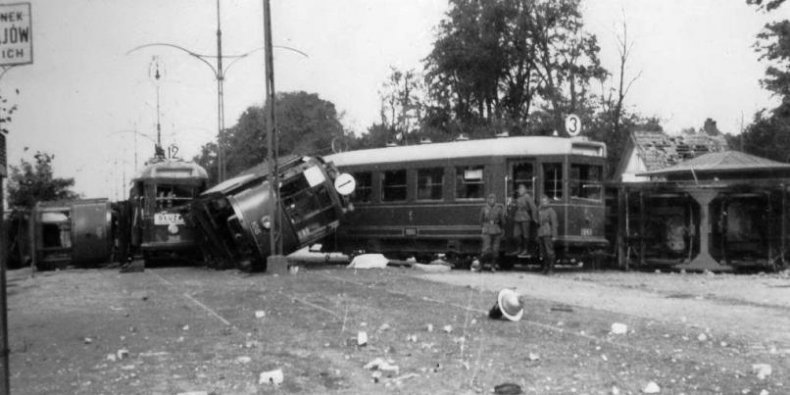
88	340
619	328
565	309
702	337
362	338
111	357
433	268
260	314
185	328
383	327
243	359
194	393
447	328
368	261
762	370
533	357
429	327
273	377
508	389
411	338
651	388
386	367
615	390
122	353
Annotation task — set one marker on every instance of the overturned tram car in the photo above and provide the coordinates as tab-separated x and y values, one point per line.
159	192
234	217
426	199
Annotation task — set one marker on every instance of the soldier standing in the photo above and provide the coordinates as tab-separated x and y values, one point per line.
525	212
492	217
547	232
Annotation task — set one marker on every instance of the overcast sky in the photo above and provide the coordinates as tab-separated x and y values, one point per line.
84	92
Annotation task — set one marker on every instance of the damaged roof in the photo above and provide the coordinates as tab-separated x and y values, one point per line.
659	150
726	161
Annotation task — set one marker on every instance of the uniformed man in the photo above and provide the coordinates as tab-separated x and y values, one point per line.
492	218
547	232
524	213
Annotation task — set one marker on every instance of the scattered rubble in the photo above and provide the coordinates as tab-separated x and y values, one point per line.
273	377
533	357
362	338
384	327
702	337
122	353
260	314
386	367
762	370
619	329
447	328
429	327
651	388
243	359
88	340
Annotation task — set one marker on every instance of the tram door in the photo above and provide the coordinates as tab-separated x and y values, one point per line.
518	172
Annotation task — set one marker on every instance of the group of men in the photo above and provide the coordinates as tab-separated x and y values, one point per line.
493	218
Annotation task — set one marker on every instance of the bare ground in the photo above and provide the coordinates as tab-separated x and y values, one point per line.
186	329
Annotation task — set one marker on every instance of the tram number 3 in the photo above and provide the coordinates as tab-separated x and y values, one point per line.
573	124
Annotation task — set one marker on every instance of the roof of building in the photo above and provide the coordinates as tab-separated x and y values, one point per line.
506	146
726	161
659	150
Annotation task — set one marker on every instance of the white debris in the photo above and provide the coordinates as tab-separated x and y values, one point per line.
383	365
88	340
260	314
619	329
762	370
362	338
429	327
384	327
243	359
764	392
447	328
533	357
651	388
702	337
604	357
435	268
273	377
615	391
369	261
186	327
411	338
111	357
122	353
194	393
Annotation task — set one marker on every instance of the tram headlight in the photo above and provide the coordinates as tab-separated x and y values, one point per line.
266	222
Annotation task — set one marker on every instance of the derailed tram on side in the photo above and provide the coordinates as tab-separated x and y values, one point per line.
234	217
425	199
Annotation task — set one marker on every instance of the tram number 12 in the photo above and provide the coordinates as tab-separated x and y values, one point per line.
586	232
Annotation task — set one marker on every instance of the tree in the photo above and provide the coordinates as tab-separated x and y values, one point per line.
401	104
769	133
306	125
494	61
30	183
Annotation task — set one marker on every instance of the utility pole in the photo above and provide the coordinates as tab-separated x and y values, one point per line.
275	234
220	102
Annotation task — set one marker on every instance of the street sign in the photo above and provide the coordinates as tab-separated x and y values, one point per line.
16	34
573	125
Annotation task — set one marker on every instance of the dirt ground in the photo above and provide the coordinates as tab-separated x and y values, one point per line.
191	329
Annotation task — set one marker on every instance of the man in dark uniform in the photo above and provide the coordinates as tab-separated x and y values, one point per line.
492	218
524	213
547	231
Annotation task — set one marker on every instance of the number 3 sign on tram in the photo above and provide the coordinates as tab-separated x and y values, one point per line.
573	125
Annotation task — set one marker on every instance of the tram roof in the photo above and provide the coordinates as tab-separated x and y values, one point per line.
171	169
505	146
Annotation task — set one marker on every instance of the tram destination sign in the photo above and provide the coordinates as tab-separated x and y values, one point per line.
16	34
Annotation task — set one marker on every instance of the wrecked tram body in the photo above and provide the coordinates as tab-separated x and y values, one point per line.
234	217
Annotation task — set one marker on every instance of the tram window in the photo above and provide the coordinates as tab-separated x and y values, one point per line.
393	186
363	193
469	183
429	183
585	181
522	175
552	180
168	196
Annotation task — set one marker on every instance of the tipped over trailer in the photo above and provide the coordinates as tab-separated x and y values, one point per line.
233	219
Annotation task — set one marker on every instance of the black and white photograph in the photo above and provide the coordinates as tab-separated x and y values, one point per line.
220	197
